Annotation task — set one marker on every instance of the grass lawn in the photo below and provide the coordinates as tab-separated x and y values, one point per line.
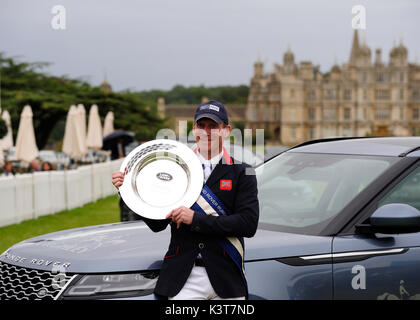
104	210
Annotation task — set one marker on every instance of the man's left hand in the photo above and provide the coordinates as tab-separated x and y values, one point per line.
181	215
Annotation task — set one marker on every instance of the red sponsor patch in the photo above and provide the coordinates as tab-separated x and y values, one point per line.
225	184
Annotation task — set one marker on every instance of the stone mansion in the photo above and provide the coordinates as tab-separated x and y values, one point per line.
296	102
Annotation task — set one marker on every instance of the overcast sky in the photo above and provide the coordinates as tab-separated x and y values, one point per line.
161	43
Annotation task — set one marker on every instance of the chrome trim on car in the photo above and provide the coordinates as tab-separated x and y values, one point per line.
340	257
65	287
353	253
20	283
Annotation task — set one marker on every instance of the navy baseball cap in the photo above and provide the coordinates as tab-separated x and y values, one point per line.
213	110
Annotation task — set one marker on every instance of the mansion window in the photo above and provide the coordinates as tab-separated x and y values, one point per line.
292	114
382	114
364	77
347	94
311	95
277	113
292	134
416	94
380	77
292	93
347	132
347	114
311	114
330	94
266	113
254	114
329	132
311	133
329	114
382	94
416	114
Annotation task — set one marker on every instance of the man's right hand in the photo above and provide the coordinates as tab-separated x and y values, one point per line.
117	179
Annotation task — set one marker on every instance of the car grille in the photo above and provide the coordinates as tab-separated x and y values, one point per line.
17	283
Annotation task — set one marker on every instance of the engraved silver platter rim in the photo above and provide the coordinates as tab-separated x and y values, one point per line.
161	175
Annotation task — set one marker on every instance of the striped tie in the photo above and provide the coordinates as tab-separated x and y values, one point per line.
207	171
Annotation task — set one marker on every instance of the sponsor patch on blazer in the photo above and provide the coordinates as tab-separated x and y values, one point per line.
225	184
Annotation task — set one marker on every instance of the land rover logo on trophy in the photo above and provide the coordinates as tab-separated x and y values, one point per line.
161	175
164	176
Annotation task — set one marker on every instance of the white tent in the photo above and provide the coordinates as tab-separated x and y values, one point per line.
7	142
1	150
67	143
26	148
74	142
82	118
109	123
94	133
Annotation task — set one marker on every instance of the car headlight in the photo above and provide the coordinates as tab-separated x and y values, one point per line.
113	285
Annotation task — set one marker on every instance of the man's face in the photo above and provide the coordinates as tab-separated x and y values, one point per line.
35	164
8	167
209	136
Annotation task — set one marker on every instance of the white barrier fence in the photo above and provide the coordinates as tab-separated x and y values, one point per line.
29	196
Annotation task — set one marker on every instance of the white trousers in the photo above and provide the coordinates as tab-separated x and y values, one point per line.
198	287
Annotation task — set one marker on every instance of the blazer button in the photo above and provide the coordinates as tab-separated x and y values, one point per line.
197	228
201	245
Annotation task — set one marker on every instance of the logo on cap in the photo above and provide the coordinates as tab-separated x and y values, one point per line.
213	107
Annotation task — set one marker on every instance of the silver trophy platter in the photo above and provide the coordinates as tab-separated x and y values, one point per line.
161	175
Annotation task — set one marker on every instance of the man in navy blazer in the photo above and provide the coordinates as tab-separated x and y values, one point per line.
196	266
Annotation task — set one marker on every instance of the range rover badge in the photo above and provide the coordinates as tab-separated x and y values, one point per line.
164	176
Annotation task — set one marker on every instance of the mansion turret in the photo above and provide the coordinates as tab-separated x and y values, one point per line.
296	102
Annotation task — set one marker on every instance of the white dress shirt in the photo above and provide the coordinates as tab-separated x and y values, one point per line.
209	165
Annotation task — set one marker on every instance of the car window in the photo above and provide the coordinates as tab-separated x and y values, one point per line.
407	191
302	192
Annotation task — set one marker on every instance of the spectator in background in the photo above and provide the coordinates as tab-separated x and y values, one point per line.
46	166
8	169
34	166
117	151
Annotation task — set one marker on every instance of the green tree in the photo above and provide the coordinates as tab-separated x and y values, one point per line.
193	95
50	98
